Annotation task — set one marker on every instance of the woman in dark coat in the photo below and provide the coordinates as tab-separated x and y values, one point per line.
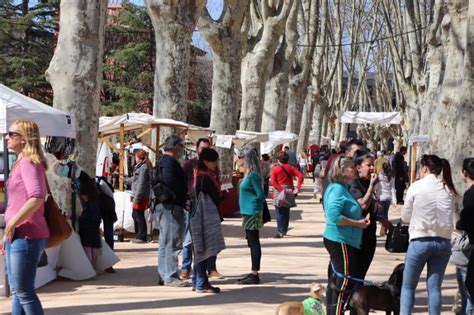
205	222
466	222
89	221
141	194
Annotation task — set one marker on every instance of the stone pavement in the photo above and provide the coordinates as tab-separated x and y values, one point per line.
289	265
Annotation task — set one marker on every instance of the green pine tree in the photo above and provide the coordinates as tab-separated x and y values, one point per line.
129	62
27	41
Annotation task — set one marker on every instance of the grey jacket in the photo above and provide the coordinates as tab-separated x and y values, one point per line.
141	184
206	231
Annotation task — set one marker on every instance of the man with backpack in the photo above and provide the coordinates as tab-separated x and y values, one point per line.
170	190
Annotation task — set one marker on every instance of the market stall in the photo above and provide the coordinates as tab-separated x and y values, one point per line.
268	142
136	127
413	143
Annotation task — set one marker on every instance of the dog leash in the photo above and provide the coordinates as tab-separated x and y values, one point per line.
365	282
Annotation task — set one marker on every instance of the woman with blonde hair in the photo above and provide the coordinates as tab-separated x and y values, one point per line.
26	232
343	234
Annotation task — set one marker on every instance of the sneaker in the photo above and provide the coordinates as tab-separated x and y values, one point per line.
177	283
209	289
215	275
184	275
137	241
249	279
160	281
280	235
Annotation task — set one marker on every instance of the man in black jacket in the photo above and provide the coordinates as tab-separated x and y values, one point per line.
170	213
400	174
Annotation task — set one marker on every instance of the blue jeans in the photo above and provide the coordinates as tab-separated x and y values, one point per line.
22	258
200	278
188	251
466	300
385	207
435	252
283	219
187	245
171	224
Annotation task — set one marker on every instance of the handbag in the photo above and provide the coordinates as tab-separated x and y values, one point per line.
285	198
266	213
397	239
59	228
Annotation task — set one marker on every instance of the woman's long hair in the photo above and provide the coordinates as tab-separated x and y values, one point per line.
468	167
436	165
87	187
29	132
251	160
143	156
387	170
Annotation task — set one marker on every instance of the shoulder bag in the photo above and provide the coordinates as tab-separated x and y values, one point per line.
397	238
59	228
285	198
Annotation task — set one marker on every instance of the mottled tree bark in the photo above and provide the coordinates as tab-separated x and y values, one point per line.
225	39
75	72
173	22
269	18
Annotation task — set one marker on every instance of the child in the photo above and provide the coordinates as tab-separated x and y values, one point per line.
386	193
460	253
89	221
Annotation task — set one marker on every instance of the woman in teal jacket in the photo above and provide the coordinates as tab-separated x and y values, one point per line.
251	199
343	234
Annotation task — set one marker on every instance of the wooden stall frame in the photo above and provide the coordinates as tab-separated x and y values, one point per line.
104	137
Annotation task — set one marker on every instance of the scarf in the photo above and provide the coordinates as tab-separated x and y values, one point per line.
211	175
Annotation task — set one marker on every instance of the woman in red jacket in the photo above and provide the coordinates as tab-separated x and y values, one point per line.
282	178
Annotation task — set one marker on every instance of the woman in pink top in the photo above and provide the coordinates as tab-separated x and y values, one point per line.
26	232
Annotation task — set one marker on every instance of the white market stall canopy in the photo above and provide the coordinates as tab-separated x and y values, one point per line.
268	140
51	122
383	118
135	121
277	138
418	139
240	139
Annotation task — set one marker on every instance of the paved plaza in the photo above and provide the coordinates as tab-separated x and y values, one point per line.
289	265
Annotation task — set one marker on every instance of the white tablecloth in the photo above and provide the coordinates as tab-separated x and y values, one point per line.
123	209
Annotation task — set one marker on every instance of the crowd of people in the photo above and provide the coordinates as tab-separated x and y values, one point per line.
356	188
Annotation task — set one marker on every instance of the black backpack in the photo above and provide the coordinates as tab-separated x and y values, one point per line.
105	203
161	192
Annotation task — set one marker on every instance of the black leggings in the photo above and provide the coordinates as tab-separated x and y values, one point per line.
345	260
253	242
367	250
140	224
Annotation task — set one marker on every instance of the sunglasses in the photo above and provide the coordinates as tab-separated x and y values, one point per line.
13	134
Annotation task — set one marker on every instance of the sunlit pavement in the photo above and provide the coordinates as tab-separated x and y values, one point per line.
289	265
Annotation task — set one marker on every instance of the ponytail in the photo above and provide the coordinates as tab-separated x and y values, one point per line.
448	180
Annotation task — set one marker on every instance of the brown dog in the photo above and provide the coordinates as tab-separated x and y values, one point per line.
296	308
384	298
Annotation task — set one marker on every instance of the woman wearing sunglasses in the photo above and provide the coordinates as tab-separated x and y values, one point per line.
26	232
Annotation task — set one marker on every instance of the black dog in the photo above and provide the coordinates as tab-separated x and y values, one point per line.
383	298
